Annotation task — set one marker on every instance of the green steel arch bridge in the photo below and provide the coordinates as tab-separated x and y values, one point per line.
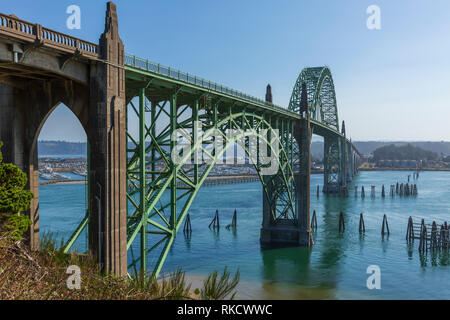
139	194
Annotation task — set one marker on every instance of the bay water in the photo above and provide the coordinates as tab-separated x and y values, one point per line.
334	268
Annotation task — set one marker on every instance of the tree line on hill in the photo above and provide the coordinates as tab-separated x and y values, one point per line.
405	152
364	147
442	148
61	148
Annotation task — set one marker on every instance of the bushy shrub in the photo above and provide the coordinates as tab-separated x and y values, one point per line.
14	225
13	199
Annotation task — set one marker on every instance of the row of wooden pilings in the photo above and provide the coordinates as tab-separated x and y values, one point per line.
215	223
399	189
231	180
431	237
362	225
403	190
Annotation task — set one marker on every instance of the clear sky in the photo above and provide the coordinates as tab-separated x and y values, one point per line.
391	84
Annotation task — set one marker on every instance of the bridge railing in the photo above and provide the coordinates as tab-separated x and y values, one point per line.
63	41
147	65
12	26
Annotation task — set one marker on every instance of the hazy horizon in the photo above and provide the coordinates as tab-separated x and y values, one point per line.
391	84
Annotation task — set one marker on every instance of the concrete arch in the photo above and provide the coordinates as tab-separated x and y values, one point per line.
25	112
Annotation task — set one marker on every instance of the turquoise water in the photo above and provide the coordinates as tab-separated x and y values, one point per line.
334	268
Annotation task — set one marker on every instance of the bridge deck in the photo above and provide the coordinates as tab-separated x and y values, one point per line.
144	67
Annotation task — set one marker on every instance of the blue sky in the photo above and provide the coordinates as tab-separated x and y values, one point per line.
391	84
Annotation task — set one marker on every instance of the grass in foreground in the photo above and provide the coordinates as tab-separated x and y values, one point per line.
28	275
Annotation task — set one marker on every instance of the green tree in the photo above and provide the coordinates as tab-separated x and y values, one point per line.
13	199
403	152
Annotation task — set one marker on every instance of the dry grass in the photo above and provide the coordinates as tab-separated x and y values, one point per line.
26	275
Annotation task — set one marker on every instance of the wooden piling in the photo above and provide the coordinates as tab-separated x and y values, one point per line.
356	191
446	242
187	224
362	192
318	191
215	221
396	189
392	190
433	237
233	221
382	191
314	220
410	230
441	237
423	238
217	214
341	222
362	226
385	226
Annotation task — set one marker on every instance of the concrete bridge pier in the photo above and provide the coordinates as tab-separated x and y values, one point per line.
343	172
351	163
108	179
284	232
302	182
94	90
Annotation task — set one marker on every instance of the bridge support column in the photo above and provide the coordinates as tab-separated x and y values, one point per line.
108	181
18	148
350	163
332	166
302	182
284	232
343	162
266	230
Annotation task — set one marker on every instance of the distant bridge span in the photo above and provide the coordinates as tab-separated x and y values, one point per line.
138	195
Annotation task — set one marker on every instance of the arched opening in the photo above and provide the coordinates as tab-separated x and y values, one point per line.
62	158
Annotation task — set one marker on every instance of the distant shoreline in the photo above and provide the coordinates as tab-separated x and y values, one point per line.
60	182
53	182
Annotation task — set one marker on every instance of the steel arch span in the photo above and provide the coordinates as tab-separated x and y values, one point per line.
323	110
162	187
321	96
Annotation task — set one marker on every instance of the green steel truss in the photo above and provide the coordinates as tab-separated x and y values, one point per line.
323	109
160	191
